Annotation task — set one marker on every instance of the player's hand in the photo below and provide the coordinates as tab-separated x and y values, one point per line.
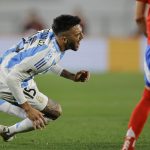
34	115
82	76
37	118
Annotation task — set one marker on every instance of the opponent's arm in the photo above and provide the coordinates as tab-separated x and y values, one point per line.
140	16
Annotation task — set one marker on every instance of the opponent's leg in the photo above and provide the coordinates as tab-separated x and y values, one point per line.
137	121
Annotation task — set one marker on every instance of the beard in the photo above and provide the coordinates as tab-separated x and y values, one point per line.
70	45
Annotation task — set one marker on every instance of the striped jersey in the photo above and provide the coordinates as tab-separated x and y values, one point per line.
36	54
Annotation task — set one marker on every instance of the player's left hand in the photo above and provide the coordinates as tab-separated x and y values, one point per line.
82	76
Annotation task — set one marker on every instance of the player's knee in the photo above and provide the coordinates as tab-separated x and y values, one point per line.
57	110
53	112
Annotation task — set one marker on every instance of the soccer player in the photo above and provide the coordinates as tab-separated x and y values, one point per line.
141	111
39	53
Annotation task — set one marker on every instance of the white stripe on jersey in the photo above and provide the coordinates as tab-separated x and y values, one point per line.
33	55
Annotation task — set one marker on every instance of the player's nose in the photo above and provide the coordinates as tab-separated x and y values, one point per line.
81	36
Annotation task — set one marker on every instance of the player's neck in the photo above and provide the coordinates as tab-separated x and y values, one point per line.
60	44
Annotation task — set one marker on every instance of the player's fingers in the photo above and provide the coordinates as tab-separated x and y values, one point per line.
41	123
38	124
34	125
85	76
80	73
81	76
43	119
77	77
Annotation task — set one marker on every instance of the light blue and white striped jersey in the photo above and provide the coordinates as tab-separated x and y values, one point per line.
31	56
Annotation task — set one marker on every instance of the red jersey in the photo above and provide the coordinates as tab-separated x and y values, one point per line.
147	20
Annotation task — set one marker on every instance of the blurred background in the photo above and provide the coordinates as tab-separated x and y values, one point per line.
95	115
112	41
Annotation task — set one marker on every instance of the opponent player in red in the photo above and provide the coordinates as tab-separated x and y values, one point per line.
141	111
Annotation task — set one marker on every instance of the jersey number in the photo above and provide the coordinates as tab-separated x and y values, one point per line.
29	92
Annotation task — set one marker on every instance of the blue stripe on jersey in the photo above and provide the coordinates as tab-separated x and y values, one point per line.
54	62
24	54
62	54
19	45
2	101
42	35
147	56
56	45
24	84
147	59
39	62
146	81
28	79
18	124
1	60
7	53
51	35
42	64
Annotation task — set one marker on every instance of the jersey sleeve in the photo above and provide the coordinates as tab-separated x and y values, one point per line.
14	80
56	69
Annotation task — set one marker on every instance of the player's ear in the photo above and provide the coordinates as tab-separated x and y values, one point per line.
65	40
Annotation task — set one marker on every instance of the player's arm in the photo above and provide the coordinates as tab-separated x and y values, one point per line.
140	11
80	76
14	80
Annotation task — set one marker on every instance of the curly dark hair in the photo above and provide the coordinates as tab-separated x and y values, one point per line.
63	23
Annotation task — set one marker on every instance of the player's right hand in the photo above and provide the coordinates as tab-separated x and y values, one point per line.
82	76
34	115
37	118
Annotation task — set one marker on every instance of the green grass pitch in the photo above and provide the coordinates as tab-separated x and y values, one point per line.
95	114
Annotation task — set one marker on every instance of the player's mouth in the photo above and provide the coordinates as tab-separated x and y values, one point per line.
77	45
